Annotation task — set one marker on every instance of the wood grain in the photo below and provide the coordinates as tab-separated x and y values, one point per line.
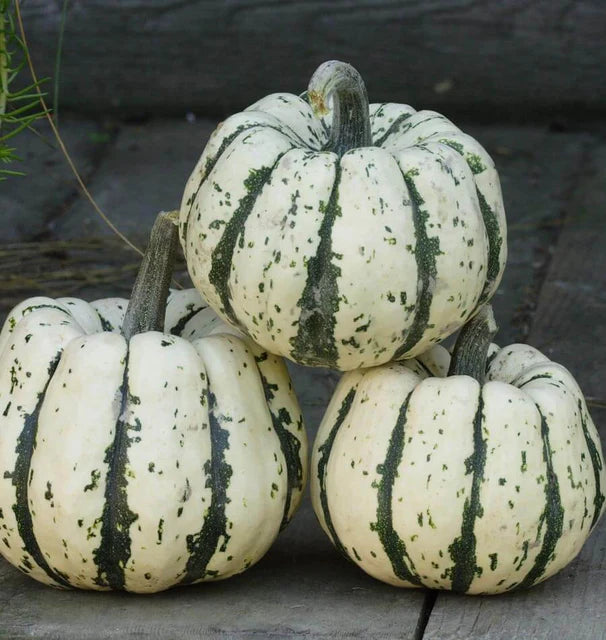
569	327
569	324
506	60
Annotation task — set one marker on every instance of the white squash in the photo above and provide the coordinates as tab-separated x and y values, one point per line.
453	483
144	460
342	235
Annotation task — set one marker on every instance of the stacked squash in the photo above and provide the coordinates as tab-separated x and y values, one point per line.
355	236
153	443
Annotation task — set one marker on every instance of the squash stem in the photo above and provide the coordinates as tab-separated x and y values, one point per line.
147	306
471	348
350	119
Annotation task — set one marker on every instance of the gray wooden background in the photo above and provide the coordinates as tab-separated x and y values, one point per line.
498	60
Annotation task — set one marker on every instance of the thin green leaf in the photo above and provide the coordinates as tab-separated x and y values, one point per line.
10	115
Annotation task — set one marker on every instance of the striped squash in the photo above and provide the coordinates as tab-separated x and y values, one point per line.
346	237
145	461
447	482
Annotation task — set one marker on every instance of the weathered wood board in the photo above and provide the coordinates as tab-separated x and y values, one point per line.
143	172
505	60
538	170
29	203
301	588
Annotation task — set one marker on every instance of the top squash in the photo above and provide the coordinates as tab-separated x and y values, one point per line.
341	234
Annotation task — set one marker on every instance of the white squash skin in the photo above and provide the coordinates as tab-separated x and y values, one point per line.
271	300
83	313
166	479
267	146
432	485
421	516
383	115
269	266
510	361
288	109
512	417
201	320
354	468
345	384
170	382
274	370
455	219
561	402
70	449
368	240
31	346
111	311
257	492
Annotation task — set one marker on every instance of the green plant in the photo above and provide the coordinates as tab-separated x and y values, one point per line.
13	30
19	108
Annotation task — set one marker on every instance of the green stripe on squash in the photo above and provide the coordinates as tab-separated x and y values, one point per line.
319	302
20	478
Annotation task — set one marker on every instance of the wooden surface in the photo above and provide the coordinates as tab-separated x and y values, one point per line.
509	59
552	296
569	324
300	589
569	327
27	209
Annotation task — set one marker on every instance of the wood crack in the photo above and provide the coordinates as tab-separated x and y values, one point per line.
426	610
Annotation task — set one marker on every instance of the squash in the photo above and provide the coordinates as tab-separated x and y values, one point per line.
429	477
144	460
342	235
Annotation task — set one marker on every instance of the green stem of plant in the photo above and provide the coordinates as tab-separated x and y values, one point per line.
4	64
147	306
471	348
58	62
340	82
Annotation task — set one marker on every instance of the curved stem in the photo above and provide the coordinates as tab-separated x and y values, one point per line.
147	306
350	118
471	348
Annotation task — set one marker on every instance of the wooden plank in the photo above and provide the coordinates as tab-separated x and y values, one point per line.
569	324
503	59
569	327
536	194
300	589
29	203
144	172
